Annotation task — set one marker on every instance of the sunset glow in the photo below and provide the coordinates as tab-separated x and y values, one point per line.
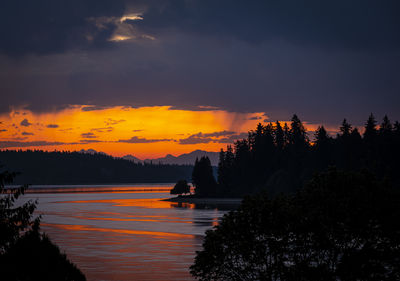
145	132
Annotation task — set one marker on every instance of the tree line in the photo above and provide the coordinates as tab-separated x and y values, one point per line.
281	157
64	167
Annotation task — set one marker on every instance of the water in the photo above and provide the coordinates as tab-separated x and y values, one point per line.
124	232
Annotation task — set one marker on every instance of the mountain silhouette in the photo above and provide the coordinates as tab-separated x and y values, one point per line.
183	159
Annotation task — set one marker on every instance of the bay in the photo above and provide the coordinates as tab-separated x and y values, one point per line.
124	232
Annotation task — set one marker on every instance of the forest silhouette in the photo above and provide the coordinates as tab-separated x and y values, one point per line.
281	158
326	209
64	167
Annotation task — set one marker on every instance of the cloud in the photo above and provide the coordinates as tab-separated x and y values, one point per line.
136	139
25	123
8	144
88	135
279	57
94	107
102	130
137	130
194	107
217	134
255	118
217	137
233	138
111	121
90	141
52	126
193	139
3	130
27	134
335	24
29	27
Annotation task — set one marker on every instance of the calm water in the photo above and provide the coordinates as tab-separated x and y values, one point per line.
124	232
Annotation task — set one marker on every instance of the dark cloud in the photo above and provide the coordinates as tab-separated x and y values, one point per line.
46	26
111	121
218	137
143	140
195	139
25	123
216	134
94	108
255	118
3	130
137	130
52	126
85	141
27	134
194	107
358	24
88	135
10	144
233	138
321	59
102	130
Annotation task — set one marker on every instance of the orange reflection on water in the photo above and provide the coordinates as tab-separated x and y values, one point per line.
99	189
126	219
144	203
120	231
183	205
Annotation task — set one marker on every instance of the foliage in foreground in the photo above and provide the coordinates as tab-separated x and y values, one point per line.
341	226
25	253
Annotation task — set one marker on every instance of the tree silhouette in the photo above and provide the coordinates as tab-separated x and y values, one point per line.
264	162
25	253
341	226
370	129
203	178
345	129
181	187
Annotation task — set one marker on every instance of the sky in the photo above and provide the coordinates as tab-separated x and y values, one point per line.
154	77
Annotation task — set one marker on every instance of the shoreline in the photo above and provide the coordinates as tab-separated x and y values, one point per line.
206	200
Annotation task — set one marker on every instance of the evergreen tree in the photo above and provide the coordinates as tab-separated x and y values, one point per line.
286	133
321	136
279	136
370	129
345	129
386	127
203	178
298	135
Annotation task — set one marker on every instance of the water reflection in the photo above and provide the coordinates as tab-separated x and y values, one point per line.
126	235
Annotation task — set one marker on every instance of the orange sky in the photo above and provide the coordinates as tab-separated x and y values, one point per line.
145	132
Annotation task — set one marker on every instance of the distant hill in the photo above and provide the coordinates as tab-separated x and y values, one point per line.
86	167
130	157
183	159
91	151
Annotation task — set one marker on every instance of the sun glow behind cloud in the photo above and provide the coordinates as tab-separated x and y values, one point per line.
145	132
